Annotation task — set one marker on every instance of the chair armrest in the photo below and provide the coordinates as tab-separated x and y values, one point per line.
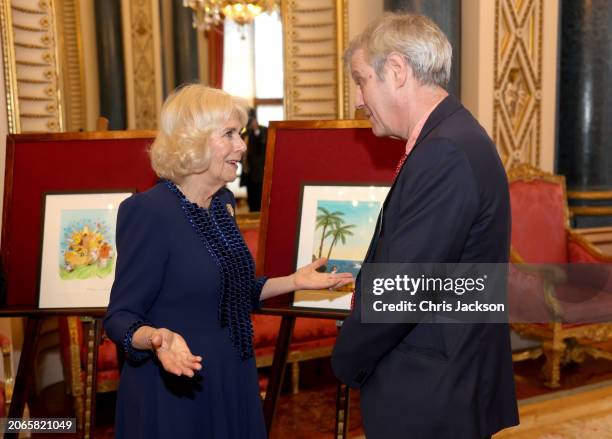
589	252
6	347
515	257
549	275
548	272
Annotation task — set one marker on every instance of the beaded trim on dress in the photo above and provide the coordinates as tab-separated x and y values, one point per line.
219	233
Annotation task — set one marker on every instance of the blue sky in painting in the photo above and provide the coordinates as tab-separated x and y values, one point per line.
363	215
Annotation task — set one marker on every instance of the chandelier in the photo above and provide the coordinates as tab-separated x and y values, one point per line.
208	13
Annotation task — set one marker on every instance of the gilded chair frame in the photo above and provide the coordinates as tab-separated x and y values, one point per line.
79	388
8	374
560	345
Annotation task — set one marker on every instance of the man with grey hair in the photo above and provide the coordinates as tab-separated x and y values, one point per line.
449	203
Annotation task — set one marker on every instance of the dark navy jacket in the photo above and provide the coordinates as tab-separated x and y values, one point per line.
449	203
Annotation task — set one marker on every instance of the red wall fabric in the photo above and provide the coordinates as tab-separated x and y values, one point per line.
313	155
58	164
215	56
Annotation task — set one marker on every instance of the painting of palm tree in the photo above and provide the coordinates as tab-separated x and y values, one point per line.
343	230
339	232
325	220
337	222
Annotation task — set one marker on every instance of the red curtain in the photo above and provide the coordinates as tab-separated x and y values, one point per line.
215	56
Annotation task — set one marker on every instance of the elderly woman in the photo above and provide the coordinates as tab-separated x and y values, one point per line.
185	285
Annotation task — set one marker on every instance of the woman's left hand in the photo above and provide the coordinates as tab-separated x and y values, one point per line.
308	278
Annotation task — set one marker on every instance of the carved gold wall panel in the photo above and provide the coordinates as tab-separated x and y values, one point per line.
315	35
29	47
142	56
70	49
517	110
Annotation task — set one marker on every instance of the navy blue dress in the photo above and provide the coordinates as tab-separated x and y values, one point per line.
185	268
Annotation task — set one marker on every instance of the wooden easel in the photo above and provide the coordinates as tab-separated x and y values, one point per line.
279	364
26	368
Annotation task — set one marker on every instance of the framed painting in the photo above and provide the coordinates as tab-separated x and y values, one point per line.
78	251
334	154
336	222
120	160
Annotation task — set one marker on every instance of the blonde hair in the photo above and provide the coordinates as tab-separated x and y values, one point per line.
418	39
188	117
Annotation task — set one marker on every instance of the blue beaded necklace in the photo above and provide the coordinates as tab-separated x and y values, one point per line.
221	237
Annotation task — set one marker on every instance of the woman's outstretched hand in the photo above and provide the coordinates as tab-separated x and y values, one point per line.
173	353
308	278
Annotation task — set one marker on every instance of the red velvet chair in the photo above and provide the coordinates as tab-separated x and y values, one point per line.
541	235
74	353
312	338
6	382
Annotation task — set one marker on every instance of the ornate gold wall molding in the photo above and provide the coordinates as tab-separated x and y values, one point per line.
30	60
517	107
10	68
142	58
70	49
315	34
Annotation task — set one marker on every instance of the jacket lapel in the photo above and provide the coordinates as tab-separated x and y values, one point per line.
446	108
